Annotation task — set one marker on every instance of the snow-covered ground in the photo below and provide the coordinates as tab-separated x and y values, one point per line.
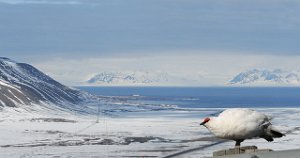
127	134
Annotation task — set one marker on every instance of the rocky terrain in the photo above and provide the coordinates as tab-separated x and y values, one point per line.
22	84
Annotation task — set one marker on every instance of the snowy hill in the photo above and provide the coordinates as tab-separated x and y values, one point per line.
143	78
275	77
21	84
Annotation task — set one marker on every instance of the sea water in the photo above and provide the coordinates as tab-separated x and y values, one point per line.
206	97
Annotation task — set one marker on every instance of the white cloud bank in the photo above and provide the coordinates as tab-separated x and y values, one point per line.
209	68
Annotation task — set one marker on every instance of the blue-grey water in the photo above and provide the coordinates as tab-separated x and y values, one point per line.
206	97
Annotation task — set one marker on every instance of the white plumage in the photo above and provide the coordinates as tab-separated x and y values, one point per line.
240	124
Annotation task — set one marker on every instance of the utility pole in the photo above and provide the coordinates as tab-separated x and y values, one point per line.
98	113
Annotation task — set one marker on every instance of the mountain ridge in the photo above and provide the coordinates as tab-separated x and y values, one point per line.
22	84
136	78
276	77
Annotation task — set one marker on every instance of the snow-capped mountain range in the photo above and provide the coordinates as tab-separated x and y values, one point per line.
22	84
143	78
24	89
275	77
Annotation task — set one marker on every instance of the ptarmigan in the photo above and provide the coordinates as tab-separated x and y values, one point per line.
240	124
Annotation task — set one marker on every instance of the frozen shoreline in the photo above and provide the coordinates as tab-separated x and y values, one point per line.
131	134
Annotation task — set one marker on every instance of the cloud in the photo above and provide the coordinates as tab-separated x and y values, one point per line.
16	2
212	40
211	69
269	27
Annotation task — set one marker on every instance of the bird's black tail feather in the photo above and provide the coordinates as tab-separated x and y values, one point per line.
276	134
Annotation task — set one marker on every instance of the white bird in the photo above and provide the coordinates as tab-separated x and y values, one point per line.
240	124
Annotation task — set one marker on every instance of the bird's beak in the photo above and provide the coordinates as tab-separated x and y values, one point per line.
205	121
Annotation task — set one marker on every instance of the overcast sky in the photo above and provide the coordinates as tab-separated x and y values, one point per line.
71	39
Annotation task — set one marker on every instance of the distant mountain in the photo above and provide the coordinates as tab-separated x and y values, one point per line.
143	78
21	84
267	77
